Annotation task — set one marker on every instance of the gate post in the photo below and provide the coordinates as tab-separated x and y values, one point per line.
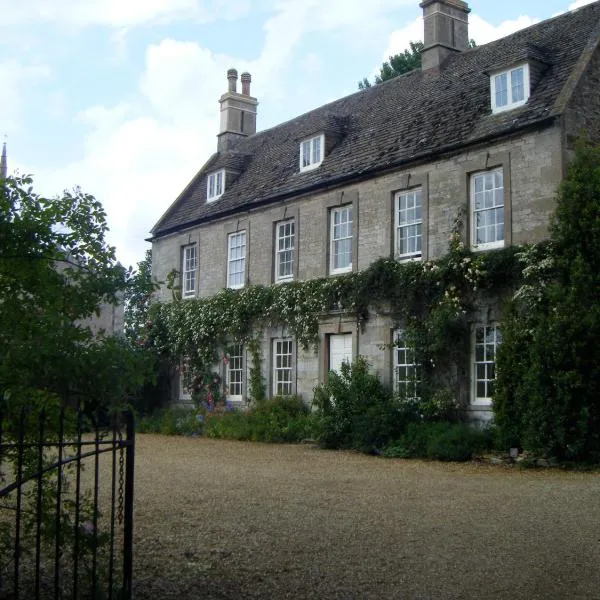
128	509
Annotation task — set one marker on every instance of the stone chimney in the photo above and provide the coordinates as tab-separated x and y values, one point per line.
238	112
446	31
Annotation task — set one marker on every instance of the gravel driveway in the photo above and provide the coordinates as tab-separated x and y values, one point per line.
234	520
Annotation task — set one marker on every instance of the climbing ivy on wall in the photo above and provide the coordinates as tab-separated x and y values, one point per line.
430	300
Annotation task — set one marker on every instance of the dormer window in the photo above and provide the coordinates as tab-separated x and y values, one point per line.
510	88
215	185
311	152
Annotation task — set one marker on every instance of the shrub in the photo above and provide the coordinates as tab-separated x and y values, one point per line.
169	421
440	441
546	398
356	411
280	419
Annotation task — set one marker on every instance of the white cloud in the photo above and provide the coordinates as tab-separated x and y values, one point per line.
479	30
118	13
16	78
138	156
580	3
483	32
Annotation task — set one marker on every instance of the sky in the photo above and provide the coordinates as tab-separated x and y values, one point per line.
120	97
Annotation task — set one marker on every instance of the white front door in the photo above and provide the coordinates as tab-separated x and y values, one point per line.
340	350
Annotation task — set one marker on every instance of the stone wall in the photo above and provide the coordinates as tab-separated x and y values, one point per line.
532	164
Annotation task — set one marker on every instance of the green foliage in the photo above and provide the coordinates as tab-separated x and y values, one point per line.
397	65
440	441
408	60
548	388
356	410
280	419
256	384
430	300
169	421
55	271
138	297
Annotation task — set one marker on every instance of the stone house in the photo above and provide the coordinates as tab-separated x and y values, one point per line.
485	131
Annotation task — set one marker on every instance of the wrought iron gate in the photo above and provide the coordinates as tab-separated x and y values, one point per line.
66	505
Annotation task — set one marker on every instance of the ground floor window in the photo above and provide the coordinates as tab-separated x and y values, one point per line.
282	367
406	371
234	373
486	340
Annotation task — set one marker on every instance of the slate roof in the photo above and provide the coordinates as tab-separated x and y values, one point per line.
412	117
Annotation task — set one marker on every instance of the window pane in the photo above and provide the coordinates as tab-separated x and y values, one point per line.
518	89
500	82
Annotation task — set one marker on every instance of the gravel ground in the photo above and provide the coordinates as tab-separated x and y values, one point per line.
234	520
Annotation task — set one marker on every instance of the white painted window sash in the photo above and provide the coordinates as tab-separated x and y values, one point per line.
285	241
236	260
409	224
340	235
190	264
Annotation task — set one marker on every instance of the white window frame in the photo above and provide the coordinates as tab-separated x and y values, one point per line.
236	264
285	247
494	191
333	240
215	185
486	338
404	358
311	152
512	100
189	269
409	220
234	373
283	367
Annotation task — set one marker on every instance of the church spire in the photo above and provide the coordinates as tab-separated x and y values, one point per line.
3	163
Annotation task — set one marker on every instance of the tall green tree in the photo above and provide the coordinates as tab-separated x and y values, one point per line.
56	269
548	393
398	64
138	297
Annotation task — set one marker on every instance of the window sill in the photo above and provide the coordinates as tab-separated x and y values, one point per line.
341	271
408	257
310	167
491	246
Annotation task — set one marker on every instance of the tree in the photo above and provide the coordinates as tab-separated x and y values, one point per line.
399	64
138	297
56	268
548	390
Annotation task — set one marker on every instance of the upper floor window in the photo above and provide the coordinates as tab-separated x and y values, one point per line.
487	209
341	239
510	88
408	224
236	259
285	242
215	185
311	152
486	340
189	267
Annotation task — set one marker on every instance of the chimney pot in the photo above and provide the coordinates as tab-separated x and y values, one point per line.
246	79
232	76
